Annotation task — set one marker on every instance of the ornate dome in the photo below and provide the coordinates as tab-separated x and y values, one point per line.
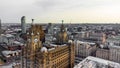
43	49
70	41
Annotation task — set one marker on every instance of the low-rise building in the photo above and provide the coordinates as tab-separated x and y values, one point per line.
102	53
10	56
100	37
84	49
113	41
114	54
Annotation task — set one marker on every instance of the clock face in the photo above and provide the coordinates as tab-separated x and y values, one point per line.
35	40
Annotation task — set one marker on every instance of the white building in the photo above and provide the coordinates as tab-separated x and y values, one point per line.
84	49
114	53
93	62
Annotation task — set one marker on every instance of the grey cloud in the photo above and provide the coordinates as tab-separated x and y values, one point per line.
68	4
33	8
56	4
47	4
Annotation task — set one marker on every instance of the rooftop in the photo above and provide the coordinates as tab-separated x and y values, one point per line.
94	62
84	42
7	52
114	38
52	46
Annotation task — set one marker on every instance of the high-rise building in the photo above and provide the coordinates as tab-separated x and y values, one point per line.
23	24
54	55
0	27
0	24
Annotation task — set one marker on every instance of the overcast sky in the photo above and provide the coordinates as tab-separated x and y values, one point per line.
74	11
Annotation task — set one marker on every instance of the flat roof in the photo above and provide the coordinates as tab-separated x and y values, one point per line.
96	60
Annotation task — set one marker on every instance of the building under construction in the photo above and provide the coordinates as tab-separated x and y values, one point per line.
59	54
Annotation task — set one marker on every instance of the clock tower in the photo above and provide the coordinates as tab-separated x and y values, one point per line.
33	47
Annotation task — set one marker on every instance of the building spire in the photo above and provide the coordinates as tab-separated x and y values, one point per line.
32	26
62	22
62	26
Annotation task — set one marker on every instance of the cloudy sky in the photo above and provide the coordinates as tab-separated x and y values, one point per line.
74	11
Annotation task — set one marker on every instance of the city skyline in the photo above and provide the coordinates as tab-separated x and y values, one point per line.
72	11
59	45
